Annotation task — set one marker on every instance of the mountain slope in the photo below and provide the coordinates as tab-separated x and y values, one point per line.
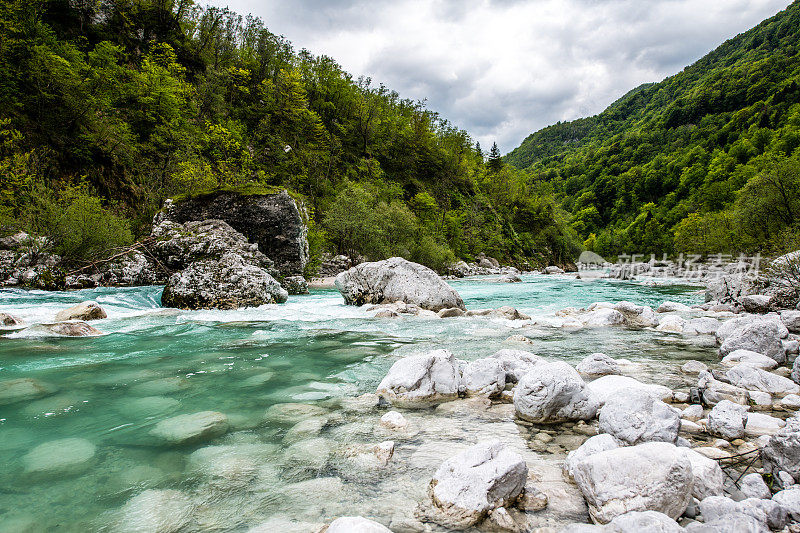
704	161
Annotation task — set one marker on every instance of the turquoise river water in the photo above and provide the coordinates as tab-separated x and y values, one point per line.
154	363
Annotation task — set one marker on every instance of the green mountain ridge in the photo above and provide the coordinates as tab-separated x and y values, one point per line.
705	161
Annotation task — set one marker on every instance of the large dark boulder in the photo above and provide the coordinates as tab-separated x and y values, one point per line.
275	222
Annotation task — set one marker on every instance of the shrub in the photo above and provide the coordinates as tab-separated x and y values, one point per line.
77	225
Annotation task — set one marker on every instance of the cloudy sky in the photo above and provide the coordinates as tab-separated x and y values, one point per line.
502	69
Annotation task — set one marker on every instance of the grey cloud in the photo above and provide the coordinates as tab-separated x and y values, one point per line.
502	69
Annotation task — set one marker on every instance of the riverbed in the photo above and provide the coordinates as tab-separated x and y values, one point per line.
154	363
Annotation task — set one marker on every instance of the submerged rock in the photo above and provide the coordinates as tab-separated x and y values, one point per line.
356	524
420	380
24	389
483	477
553	392
82	311
62	457
397	280
156	511
71	329
10	321
227	283
655	476
187	429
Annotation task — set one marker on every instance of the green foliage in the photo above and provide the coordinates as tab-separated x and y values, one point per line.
704	162
148	100
78	226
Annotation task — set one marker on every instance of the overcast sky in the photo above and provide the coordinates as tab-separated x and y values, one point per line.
502	69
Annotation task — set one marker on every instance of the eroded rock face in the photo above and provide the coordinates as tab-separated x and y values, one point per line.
226	283
467	486
273	222
179	245
637	417
397	280
421	380
82	311
655	476
553	392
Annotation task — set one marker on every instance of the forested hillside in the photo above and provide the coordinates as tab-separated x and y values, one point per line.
706	161
107	108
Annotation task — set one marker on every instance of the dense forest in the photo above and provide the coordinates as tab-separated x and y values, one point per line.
109	107
705	162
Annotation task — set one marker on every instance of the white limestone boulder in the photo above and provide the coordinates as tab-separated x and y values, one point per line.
356	524
761	336
484	377
749	357
551	393
422	380
517	363
592	445
673	307
782	451
83	311
751	377
727	420
597	364
467	486
637	417
637	316
655	476
607	387
397	280
762	424
709	480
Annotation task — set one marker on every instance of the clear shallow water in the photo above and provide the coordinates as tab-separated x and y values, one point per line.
153	363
